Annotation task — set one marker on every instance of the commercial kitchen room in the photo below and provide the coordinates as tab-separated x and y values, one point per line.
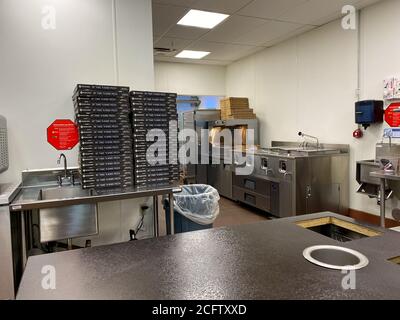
199	150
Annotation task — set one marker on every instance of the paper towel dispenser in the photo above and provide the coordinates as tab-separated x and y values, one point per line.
368	112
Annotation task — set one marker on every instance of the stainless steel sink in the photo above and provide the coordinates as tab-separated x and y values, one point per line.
302	151
67	222
63	193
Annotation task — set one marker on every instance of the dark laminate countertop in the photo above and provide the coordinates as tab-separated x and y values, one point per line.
255	261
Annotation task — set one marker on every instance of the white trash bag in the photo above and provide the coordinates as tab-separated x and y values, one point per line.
198	202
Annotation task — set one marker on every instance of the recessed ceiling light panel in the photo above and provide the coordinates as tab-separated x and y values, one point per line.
202	19
190	54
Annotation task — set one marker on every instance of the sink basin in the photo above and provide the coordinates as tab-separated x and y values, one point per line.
67	222
334	257
298	151
63	193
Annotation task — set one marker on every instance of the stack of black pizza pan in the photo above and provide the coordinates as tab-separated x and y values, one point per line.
154	129
105	155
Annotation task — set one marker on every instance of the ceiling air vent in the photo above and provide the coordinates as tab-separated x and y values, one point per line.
158	51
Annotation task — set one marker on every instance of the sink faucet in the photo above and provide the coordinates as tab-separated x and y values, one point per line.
303	135
62	155
65	177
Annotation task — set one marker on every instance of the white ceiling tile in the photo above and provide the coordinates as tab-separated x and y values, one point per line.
316	12
326	19
184	32
232	29
336	10
289	35
166	16
267	32
269	9
156	38
319	12
221	51
253	25
222	6
207	46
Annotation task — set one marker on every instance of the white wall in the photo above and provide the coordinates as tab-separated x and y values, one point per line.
308	84
378	59
95	41
379	55
39	68
190	79
135	44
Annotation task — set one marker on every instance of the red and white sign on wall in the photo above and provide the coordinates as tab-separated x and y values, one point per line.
392	115
63	134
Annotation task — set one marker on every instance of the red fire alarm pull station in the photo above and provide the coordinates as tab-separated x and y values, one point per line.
392	115
358	133
63	134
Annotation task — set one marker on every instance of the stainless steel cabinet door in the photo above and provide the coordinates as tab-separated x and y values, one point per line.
286	201
220	177
324	198
6	256
322	194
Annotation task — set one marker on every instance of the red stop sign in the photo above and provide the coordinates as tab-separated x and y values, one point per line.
63	134
392	114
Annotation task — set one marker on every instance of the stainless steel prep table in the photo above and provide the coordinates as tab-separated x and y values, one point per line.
255	261
383	177
28	198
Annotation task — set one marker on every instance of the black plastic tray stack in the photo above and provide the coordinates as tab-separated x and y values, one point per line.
154	110
102	116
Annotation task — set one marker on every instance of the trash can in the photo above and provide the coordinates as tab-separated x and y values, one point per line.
195	208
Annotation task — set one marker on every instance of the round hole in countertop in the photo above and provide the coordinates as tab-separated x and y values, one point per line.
335	257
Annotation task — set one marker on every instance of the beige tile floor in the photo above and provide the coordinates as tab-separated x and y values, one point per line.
232	213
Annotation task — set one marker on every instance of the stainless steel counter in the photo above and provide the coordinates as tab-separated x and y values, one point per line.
39	191
381	174
290	180
31	198
287	150
8	192
384	177
28	198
